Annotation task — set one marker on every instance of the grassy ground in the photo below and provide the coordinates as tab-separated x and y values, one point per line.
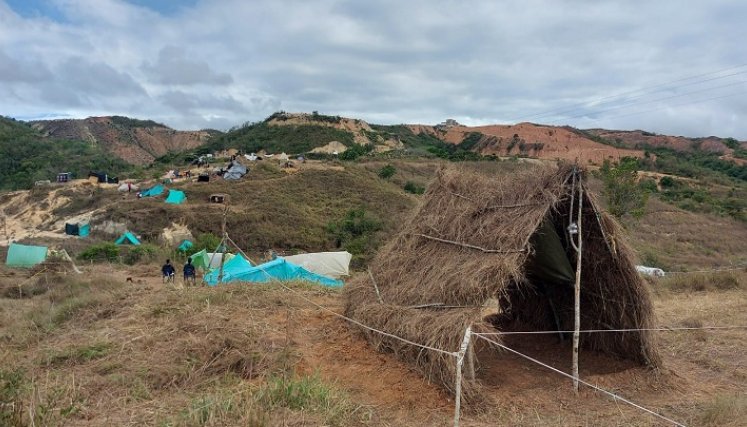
95	350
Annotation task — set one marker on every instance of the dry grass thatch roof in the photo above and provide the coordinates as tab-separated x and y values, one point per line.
469	242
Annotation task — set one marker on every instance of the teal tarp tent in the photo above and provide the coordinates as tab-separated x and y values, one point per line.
240	270
127	238
156	190
25	256
176	197
185	246
84	230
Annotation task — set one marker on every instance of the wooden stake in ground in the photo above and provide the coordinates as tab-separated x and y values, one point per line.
577	290
225	237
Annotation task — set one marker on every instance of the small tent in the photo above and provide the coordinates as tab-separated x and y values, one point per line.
154	191
185	246
176	197
240	270
127	238
78	229
330	264
25	256
63	177
127	187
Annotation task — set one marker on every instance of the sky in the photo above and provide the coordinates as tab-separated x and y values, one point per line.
663	66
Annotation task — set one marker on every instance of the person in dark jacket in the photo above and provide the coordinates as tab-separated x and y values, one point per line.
189	272
168	272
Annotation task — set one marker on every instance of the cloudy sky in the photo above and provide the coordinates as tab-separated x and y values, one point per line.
665	66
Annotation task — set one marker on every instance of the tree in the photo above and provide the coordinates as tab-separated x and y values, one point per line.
621	188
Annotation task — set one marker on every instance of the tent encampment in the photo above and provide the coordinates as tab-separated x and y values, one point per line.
78	229
185	246
127	238
240	270
25	256
236	171
479	240
330	264
154	191
176	197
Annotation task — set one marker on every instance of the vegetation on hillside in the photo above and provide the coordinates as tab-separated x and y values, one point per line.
292	139
29	157
130	123
624	195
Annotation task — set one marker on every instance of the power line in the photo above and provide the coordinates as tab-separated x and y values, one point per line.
644	95
623	94
633	104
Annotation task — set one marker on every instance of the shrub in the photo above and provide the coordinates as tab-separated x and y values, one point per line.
207	241
136	253
623	193
101	252
699	282
355	231
413	188
387	172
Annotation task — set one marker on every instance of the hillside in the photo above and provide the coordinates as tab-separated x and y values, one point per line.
638	139
28	156
137	142
297	133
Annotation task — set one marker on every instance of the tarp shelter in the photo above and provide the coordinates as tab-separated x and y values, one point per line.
236	171
203	177
185	246
330	264
103	177
283	156
176	197
127	238
154	191
25	256
79	229
278	269
209	260
64	177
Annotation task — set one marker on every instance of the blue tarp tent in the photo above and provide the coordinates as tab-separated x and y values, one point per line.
185	246
25	256
156	190
126	238
80	229
240	270
176	197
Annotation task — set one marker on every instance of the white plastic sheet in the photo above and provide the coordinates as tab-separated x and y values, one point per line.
330	264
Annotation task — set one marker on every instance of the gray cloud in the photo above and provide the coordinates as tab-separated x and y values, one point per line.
173	67
14	70
230	61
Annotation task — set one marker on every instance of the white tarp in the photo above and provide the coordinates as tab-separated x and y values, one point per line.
128	187
215	257
650	271
330	264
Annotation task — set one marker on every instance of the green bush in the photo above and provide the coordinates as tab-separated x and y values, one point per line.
621	189
101	252
207	241
136	254
355	232
413	188
387	172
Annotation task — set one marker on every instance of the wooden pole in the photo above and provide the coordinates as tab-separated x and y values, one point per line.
225	238
577	291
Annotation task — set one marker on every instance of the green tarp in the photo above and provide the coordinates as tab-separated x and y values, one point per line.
240	270
176	197
207	260
185	246
156	190
25	256
127	238
549	264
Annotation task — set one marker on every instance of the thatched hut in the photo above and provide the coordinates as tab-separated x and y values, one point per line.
479	241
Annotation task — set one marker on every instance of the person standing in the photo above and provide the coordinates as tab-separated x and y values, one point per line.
189	272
